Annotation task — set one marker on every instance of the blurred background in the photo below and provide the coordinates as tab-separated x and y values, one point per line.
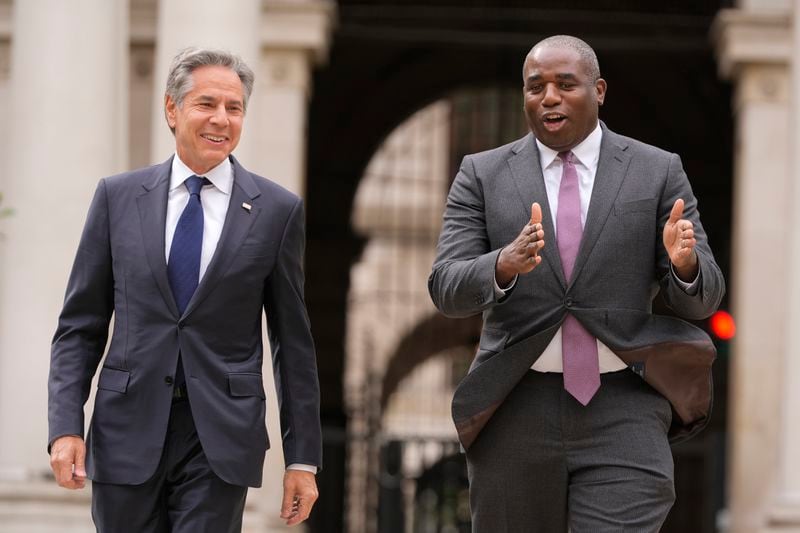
365	108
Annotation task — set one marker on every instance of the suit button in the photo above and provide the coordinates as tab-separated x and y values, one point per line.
168	380
181	325
568	302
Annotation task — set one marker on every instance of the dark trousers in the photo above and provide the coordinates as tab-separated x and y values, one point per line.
545	463
184	495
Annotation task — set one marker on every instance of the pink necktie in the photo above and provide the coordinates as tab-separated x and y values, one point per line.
579	347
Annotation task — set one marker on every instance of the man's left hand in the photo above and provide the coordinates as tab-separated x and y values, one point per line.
680	242
299	495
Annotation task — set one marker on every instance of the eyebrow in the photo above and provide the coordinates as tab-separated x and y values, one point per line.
207	98
560	76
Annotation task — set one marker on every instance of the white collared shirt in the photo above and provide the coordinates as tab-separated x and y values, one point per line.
586	156
214	198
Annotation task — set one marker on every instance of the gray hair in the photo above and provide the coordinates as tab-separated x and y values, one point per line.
578	45
179	80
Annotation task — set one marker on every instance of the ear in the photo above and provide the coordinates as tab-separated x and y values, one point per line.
600	87
170	110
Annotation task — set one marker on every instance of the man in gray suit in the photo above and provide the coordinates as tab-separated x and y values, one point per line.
562	239
185	255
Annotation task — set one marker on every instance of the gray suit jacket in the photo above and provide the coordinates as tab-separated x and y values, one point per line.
621	266
120	269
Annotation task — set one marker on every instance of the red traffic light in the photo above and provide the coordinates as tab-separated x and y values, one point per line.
722	325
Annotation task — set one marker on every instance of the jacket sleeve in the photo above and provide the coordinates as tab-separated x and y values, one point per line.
82	331
293	355
462	279
712	285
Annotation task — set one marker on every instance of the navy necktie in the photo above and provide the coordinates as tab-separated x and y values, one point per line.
183	267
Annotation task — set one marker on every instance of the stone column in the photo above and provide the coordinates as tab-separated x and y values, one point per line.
68	114
785	511
294	34
295	37
753	51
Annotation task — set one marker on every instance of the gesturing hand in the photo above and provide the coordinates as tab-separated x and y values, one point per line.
299	495
522	255
679	242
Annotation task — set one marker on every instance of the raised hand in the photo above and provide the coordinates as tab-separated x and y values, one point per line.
522	254
679	242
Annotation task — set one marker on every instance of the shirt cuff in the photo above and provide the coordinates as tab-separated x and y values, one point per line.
301	466
688	288
499	293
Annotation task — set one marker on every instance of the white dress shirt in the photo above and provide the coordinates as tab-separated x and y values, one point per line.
215	199
586	156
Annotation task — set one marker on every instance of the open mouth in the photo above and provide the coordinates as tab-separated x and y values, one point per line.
216	139
553	121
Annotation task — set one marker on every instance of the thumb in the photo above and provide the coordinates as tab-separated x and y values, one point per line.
80	461
677	211
536	213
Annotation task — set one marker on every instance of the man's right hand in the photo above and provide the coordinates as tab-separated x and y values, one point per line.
522	255
67	460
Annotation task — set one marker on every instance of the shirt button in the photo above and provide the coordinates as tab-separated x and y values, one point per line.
168	380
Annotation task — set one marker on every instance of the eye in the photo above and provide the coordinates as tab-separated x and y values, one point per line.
566	85
536	88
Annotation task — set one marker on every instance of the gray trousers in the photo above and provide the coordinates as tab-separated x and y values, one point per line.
545	463
183	496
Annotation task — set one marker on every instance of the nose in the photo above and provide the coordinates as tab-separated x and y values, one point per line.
220	116
552	96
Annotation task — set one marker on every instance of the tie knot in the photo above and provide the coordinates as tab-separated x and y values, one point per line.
567	157
195	183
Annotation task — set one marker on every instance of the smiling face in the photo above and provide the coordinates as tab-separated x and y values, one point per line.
561	98
208	123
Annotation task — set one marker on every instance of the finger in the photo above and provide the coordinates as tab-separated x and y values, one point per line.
677	211
288	503
536	213
302	513
532	262
532	249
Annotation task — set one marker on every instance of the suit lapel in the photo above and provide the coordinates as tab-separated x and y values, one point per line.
527	173
238	222
611	169
153	218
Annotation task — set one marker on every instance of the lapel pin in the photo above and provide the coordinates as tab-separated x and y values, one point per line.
247	206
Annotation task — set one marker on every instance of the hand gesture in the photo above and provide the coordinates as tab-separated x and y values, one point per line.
679	242
67	460
522	255
299	495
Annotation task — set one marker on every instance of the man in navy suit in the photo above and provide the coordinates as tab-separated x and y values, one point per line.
186	256
561	240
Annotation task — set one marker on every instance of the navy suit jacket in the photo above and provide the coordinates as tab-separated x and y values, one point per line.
120	270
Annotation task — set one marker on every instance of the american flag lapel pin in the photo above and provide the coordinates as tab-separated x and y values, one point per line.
247	206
